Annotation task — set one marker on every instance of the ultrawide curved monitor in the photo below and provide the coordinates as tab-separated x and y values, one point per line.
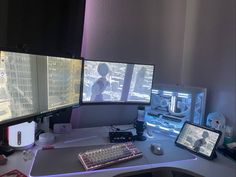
34	84
112	83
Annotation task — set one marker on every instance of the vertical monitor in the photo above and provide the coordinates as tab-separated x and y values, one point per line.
34	84
111	82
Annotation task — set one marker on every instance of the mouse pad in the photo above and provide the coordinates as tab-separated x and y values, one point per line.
64	160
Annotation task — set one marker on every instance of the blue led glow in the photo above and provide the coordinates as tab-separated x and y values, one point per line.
164	128
155	91
151	125
183	95
167	93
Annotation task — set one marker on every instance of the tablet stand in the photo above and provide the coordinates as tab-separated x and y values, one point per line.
214	155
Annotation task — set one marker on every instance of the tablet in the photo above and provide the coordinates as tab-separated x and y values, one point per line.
198	139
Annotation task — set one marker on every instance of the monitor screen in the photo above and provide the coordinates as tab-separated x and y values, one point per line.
198	139
59	80
111	82
33	84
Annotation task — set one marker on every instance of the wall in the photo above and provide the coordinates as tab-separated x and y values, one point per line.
137	31
134	31
209	53
3	22
191	42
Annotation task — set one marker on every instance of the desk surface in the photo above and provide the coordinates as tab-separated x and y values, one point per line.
99	135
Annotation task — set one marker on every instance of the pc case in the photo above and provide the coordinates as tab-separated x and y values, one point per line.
172	105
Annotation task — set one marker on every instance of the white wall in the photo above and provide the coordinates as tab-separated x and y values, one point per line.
189	41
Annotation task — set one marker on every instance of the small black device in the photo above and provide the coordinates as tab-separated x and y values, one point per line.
199	140
227	151
120	137
6	150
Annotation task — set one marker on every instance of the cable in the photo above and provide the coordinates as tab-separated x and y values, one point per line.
114	129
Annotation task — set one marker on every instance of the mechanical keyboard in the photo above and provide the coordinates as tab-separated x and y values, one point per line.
108	155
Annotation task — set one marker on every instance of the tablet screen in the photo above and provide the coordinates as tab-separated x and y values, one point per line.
198	139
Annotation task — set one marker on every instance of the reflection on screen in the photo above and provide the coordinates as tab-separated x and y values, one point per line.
198	139
31	84
63	81
116	82
18	90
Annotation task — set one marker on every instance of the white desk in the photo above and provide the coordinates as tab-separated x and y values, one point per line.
220	167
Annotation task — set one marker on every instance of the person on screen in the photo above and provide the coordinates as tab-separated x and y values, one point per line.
200	142
138	87
101	84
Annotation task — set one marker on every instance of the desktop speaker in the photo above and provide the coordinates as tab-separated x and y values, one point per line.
21	136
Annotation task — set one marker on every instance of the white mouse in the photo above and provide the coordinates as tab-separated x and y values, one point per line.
156	149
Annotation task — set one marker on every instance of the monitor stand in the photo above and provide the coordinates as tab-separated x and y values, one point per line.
47	138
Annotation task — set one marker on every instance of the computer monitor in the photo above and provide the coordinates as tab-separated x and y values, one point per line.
34	84
59	80
113	82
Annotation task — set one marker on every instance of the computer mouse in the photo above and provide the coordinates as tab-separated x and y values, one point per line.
156	149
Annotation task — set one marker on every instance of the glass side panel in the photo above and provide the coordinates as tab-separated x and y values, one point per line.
169	110
172	105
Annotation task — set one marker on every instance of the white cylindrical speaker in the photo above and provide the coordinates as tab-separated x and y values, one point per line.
21	136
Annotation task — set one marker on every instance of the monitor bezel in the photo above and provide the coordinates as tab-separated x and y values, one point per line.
18	120
114	102
40	113
212	155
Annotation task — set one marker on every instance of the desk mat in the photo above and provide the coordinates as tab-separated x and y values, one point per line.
64	160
